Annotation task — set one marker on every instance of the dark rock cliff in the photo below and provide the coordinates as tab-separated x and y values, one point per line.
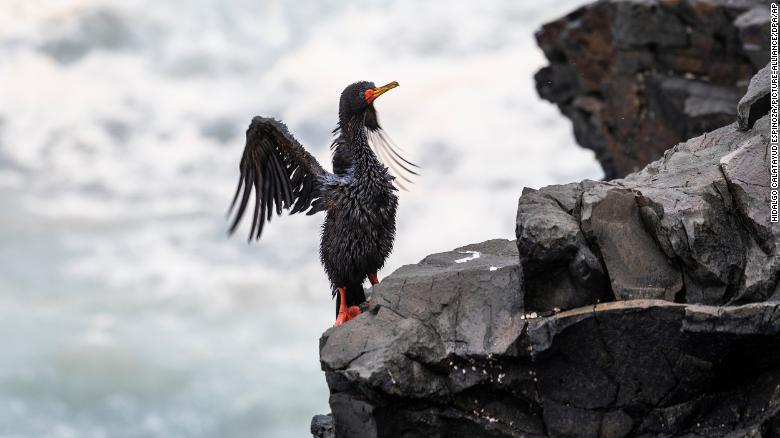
636	76
644	306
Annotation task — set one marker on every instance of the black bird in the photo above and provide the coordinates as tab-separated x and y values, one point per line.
358	198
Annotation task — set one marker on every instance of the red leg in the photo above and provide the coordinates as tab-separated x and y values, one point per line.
343	316
345	313
373	279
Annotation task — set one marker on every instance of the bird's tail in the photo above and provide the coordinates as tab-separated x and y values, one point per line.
355	296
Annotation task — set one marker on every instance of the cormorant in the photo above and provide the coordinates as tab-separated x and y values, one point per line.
358	198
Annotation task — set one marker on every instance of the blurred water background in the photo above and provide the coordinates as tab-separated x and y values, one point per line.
124	309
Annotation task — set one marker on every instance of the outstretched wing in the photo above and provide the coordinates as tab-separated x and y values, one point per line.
281	172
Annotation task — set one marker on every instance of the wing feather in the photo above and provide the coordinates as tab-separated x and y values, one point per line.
281	173
268	195
257	204
238	191
244	200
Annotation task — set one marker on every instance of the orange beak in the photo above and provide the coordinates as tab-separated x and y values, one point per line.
372	93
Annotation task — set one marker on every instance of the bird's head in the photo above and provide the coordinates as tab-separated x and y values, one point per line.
357	101
357	117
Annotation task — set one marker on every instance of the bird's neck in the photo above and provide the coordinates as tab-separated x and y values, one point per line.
356	138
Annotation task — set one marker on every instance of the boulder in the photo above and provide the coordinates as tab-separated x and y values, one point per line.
421	356
692	227
755	102
322	426
560	270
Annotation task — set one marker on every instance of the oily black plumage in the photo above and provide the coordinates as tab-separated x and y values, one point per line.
358	197
382	145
